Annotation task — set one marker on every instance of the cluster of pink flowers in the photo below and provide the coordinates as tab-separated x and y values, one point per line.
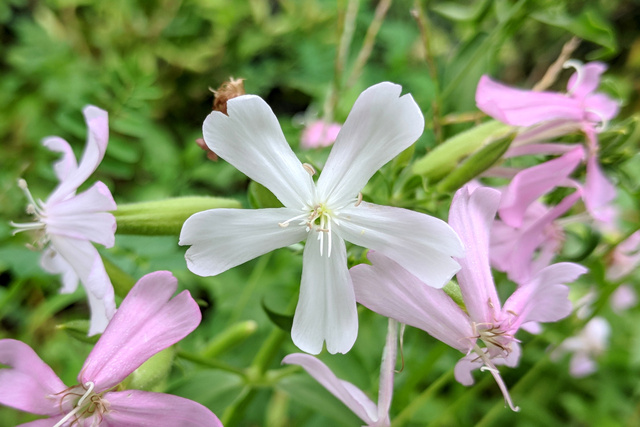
412	255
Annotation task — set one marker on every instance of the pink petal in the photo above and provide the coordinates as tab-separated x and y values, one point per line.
598	192
420	243
97	139
582	365
135	408
586	79
380	126
471	216
346	392
319	134
224	238
600	108
519	107
533	182
28	384
390	290
148	321
251	139
326	309
546	297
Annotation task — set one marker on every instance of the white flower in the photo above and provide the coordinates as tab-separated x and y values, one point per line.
69	222
381	125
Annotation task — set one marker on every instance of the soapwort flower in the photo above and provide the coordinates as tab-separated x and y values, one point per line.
390	290
586	346
359	403
381	125
546	115
148	321
67	222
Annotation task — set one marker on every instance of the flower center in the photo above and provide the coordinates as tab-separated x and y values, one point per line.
318	218
88	405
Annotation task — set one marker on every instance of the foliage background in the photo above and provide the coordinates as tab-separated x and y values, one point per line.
150	65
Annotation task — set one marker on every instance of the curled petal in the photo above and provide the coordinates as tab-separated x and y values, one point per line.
53	263
98	136
471	216
143	408
148	321
67	164
347	393
326	309
250	138
390	290
380	126
223	238
519	107
420	243
586	79
28	384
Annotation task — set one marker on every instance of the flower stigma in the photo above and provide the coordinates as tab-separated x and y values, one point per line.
35	208
88	405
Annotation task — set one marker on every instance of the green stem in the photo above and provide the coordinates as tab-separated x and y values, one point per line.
407	413
210	363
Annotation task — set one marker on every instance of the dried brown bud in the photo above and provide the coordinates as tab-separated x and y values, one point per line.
226	91
210	154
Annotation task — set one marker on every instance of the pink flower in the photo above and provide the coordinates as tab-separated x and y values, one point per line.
69	222
319	134
325	213
388	289
373	415
624	258
623	298
148	321
590	343
546	115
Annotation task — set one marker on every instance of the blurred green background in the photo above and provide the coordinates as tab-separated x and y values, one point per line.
150	64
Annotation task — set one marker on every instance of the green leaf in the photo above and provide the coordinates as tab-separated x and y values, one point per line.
283	321
78	329
461	12
260	197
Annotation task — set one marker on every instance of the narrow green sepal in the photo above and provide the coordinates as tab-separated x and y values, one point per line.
79	329
165	217
229	338
445	157
475	164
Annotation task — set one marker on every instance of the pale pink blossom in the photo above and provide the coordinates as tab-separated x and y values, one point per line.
380	126
388	289
625	258
623	298
319	134
148	321
591	342
546	115
68	222
359	403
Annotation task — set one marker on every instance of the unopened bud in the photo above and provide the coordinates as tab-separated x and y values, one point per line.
227	90
210	154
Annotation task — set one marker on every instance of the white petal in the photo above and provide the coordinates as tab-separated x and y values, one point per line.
67	163
85	260
224	238
326	309
420	243
346	392
250	138
380	126
97	139
53	263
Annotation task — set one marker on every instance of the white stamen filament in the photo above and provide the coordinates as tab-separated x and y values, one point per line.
490	367
602	125
78	407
